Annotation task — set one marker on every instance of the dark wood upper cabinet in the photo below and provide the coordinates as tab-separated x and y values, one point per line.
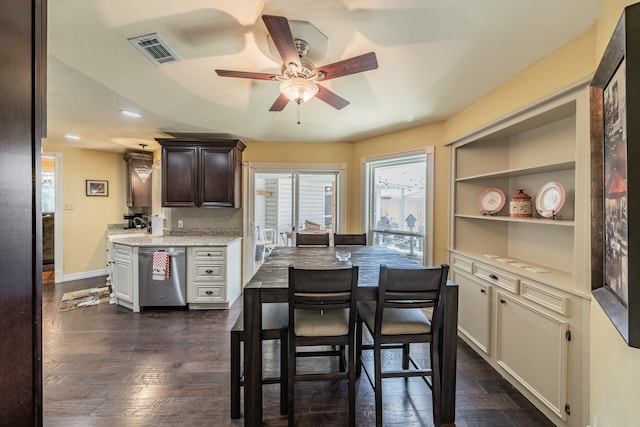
201	172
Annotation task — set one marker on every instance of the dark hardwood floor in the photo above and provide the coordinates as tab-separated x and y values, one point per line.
106	366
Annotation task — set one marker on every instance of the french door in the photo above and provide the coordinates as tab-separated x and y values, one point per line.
289	199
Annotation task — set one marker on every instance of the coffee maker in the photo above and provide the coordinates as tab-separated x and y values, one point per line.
131	223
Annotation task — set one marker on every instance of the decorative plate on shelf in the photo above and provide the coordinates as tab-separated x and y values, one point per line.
491	201
550	199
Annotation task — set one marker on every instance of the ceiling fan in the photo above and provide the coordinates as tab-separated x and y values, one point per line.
299	78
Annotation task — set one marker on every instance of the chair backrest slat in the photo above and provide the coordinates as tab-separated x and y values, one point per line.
312	239
350	239
318	289
418	287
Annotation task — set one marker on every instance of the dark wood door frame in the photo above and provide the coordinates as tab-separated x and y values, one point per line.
22	125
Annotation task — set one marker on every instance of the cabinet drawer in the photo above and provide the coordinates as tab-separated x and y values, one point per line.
209	293
497	277
545	297
209	254
122	250
462	263
210	272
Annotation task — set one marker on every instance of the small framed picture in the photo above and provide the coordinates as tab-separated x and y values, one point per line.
97	188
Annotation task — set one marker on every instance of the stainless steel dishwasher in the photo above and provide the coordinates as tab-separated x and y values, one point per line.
167	292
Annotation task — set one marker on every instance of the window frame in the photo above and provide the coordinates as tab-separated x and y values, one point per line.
367	193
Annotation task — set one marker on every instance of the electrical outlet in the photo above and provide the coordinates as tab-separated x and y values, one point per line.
180	223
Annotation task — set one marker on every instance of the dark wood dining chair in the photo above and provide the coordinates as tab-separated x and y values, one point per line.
312	239
275	319
322	312
396	320
341	239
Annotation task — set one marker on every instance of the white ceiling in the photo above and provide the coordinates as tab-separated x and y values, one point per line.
435	57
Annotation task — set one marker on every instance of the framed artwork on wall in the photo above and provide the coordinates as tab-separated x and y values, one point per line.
616	253
615	143
97	187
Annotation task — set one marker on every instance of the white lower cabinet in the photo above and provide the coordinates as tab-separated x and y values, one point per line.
474	310
533	347
124	283
123	272
526	330
213	276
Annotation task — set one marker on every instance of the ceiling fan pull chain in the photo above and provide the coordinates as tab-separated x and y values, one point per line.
298	112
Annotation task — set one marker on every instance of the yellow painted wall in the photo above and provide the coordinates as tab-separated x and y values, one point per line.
48	164
615	374
85	217
296	152
569	64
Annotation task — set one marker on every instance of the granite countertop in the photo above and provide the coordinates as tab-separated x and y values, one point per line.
177	240
166	240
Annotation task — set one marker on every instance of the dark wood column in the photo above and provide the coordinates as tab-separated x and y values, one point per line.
22	119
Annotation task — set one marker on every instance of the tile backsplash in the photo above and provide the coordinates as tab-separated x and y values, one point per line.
203	221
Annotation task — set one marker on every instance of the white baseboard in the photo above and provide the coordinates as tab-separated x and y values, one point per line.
84	275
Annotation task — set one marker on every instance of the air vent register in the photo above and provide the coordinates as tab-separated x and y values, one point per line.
155	49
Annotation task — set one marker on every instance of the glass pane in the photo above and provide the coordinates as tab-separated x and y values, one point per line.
398	205
273	206
317	207
399	196
48	191
412	246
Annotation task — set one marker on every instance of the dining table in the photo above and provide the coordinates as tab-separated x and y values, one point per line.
270	284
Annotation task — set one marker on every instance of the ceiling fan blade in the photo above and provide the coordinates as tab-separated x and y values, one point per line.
357	64
246	75
331	98
280	31
280	103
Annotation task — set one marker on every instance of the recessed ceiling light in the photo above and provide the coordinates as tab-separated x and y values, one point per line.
131	114
70	136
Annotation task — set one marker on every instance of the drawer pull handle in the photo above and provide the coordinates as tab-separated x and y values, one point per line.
493	276
208	271
209	292
483	291
502	301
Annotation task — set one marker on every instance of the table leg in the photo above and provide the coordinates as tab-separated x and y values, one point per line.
449	354
252	357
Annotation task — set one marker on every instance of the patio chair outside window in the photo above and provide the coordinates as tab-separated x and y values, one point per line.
269	240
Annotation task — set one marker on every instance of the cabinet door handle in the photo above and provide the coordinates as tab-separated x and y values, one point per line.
209	292
502	301
483	291
493	276
208	271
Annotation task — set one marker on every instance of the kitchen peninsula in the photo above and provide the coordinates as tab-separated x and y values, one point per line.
209	274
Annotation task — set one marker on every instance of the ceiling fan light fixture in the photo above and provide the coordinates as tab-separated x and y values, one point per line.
299	89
